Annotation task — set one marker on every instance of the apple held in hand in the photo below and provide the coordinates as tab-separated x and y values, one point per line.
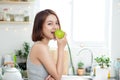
59	33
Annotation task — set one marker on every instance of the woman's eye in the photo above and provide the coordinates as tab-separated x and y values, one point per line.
49	23
57	24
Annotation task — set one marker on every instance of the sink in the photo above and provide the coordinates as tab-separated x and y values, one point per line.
72	77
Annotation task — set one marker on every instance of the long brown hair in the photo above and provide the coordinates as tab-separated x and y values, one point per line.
37	33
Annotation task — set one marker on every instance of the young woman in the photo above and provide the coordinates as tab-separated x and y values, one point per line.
40	65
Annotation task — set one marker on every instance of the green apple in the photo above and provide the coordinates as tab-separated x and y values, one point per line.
59	33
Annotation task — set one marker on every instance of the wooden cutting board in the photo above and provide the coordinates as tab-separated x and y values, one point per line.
66	59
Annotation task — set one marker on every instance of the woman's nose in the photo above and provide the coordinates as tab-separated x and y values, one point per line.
56	27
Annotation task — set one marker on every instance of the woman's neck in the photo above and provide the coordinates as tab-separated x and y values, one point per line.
45	41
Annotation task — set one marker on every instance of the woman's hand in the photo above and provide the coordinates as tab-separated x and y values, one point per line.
62	42
49	77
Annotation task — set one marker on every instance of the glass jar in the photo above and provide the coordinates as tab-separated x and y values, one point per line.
1	15
5	10
26	16
117	69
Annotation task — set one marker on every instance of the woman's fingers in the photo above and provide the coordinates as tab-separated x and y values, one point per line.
47	78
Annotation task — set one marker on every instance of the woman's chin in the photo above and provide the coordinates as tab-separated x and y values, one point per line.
52	38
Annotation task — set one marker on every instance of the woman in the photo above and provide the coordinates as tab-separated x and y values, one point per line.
40	65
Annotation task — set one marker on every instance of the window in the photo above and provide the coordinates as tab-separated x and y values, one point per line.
91	21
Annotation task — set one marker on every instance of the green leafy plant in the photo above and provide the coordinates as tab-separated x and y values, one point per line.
80	65
23	53
103	61
20	57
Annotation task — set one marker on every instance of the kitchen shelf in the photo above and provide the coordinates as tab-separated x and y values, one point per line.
14	22
16	2
16	5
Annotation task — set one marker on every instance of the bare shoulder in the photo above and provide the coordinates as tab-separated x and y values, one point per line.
40	49
39	46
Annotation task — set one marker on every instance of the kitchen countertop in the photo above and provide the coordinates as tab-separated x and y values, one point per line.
67	77
71	77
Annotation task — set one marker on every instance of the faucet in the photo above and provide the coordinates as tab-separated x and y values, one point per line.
91	70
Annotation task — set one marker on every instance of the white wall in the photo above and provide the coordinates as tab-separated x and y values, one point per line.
12	35
115	45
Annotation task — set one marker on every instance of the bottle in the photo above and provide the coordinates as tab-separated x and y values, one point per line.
94	70
109	75
0	73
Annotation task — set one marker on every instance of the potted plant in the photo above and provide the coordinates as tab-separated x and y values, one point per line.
103	69
80	70
103	61
22	54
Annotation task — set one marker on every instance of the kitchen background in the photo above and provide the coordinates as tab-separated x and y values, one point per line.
13	34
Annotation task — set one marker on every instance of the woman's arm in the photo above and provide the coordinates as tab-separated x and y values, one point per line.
61	43
55	70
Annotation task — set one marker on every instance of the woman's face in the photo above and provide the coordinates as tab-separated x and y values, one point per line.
49	26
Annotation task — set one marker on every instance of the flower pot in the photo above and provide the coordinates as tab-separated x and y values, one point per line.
21	59
80	72
102	73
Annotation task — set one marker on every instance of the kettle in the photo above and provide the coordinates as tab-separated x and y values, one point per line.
12	74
